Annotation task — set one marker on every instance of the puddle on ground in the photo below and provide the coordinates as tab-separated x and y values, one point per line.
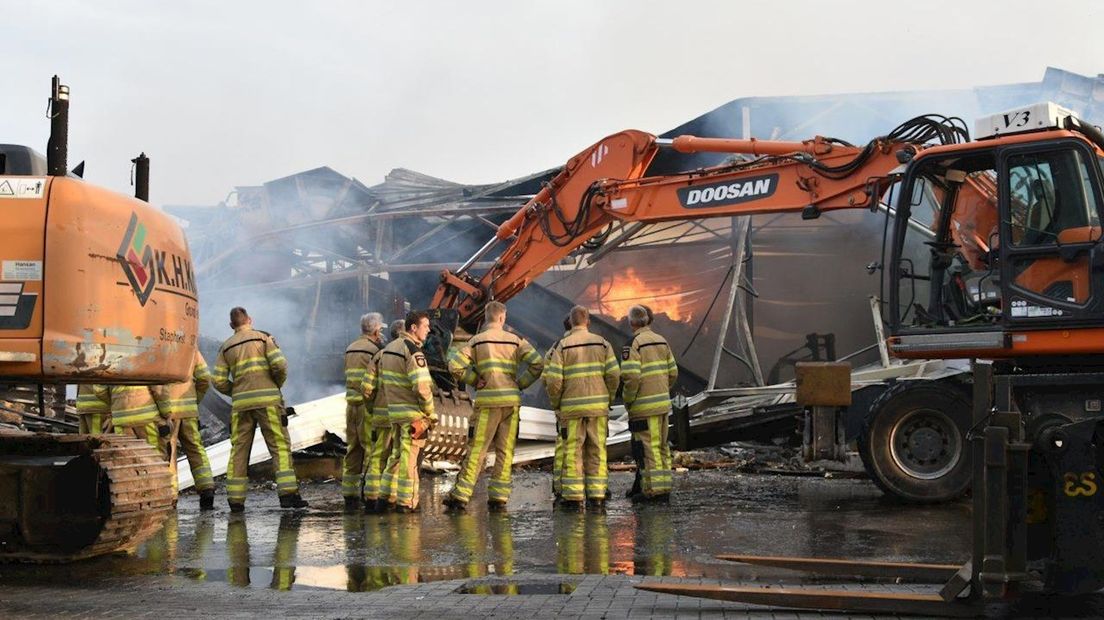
710	513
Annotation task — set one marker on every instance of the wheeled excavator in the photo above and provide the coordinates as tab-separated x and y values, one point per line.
96	287
994	255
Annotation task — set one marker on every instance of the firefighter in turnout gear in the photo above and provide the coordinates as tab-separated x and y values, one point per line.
135	411
251	369
407	386
499	364
182	401
581	379
648	371
379	427
358	356
93	409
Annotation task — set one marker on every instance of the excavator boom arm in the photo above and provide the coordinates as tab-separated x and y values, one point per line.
605	184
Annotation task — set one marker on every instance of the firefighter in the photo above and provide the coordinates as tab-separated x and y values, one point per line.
378	428
251	369
358	356
94	409
499	364
558	453
135	411
649	372
581	380
406	384
181	399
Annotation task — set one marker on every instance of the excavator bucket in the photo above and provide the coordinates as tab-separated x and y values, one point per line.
442	326
70	497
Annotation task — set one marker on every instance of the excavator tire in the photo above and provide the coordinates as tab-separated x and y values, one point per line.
913	441
70	497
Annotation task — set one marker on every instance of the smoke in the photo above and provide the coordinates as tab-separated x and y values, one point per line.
807	277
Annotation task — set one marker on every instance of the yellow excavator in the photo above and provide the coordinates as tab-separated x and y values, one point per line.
95	287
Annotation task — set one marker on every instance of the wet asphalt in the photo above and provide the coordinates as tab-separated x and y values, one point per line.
711	512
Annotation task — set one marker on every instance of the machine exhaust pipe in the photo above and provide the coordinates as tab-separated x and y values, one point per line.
57	148
141	177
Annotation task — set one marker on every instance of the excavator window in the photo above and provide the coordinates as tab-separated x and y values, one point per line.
946	275
1053	224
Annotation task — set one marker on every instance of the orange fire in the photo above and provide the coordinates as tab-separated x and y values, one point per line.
628	290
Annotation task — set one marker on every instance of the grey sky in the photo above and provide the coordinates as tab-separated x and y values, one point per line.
236	93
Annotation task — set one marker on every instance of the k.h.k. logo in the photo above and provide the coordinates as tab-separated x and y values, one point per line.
137	260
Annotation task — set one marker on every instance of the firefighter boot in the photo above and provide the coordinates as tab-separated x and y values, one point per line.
293	500
207	499
454	504
570	505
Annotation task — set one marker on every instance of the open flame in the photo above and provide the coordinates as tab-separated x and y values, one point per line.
627	290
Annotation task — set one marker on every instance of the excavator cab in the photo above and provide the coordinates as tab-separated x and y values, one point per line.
973	265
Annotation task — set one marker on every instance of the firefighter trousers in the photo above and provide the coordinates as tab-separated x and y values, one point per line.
497	426
352	470
653	469
192	444
585	475
400	479
95	423
243	425
558	457
379	449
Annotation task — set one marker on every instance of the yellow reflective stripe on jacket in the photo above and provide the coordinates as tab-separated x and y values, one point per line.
132	405
89	401
405	380
358	358
649	372
582	374
251	369
257	399
492	360
532	360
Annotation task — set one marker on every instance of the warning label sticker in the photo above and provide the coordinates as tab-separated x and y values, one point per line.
25	270
22	187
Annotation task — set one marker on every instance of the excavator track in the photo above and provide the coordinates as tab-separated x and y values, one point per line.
70	497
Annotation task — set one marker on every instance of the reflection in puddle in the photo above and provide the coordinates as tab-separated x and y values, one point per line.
324	548
347	578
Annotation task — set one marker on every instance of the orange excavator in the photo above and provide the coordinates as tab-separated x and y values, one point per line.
96	287
994	255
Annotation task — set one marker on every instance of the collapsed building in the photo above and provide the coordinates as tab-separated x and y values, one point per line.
310	252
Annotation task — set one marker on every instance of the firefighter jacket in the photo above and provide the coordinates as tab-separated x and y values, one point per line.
182	398
134	405
358	356
491	361
582	375
251	369
648	371
371	388
92	399
406	384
